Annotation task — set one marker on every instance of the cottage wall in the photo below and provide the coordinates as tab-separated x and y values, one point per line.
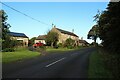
42	41
25	40
63	37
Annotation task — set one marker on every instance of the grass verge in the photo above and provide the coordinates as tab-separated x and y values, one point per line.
112	61
97	67
49	49
58	50
24	53
18	55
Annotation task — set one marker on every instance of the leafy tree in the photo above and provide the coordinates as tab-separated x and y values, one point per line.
109	26
52	38
93	33
5	29
97	16
7	41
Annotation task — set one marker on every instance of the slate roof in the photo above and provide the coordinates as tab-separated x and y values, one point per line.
41	37
66	32
15	34
83	41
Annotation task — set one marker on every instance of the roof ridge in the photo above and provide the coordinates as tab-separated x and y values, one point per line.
16	32
67	32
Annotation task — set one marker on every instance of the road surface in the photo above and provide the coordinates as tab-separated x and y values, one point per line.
70	64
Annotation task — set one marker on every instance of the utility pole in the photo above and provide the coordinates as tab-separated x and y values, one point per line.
72	30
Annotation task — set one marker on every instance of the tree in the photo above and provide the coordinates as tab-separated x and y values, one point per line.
97	16
109	26
7	42
93	33
31	42
52	38
5	29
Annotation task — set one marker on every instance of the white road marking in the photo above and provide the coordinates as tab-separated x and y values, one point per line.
54	62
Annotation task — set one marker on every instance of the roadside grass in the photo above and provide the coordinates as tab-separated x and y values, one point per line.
97	67
18	55
58	50
112	61
24	53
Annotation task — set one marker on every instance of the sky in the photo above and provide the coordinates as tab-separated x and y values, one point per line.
65	15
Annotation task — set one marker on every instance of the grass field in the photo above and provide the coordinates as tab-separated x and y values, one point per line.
97	67
18	55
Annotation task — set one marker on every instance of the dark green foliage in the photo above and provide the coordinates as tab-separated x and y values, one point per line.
111	62
4	25
109	26
60	45
51	39
93	33
5	29
69	43
110	35
8	50
7	43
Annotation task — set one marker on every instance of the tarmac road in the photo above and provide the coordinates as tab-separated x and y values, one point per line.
70	64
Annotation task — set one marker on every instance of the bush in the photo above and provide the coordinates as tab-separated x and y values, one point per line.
60	45
69	43
70	47
56	47
8	50
42	47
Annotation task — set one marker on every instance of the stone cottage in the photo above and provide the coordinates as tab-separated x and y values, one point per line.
21	37
40	38
64	35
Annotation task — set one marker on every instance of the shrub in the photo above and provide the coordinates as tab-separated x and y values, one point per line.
42	47
69	43
60	45
8	50
69	47
56	47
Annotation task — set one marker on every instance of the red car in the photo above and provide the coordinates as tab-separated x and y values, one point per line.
38	44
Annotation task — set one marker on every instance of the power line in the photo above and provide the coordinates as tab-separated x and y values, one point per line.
25	14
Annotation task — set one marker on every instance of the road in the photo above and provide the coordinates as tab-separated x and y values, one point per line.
70	64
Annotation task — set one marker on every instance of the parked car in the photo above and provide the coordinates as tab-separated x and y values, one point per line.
38	44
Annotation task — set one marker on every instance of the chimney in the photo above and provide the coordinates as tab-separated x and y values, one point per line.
54	26
81	38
